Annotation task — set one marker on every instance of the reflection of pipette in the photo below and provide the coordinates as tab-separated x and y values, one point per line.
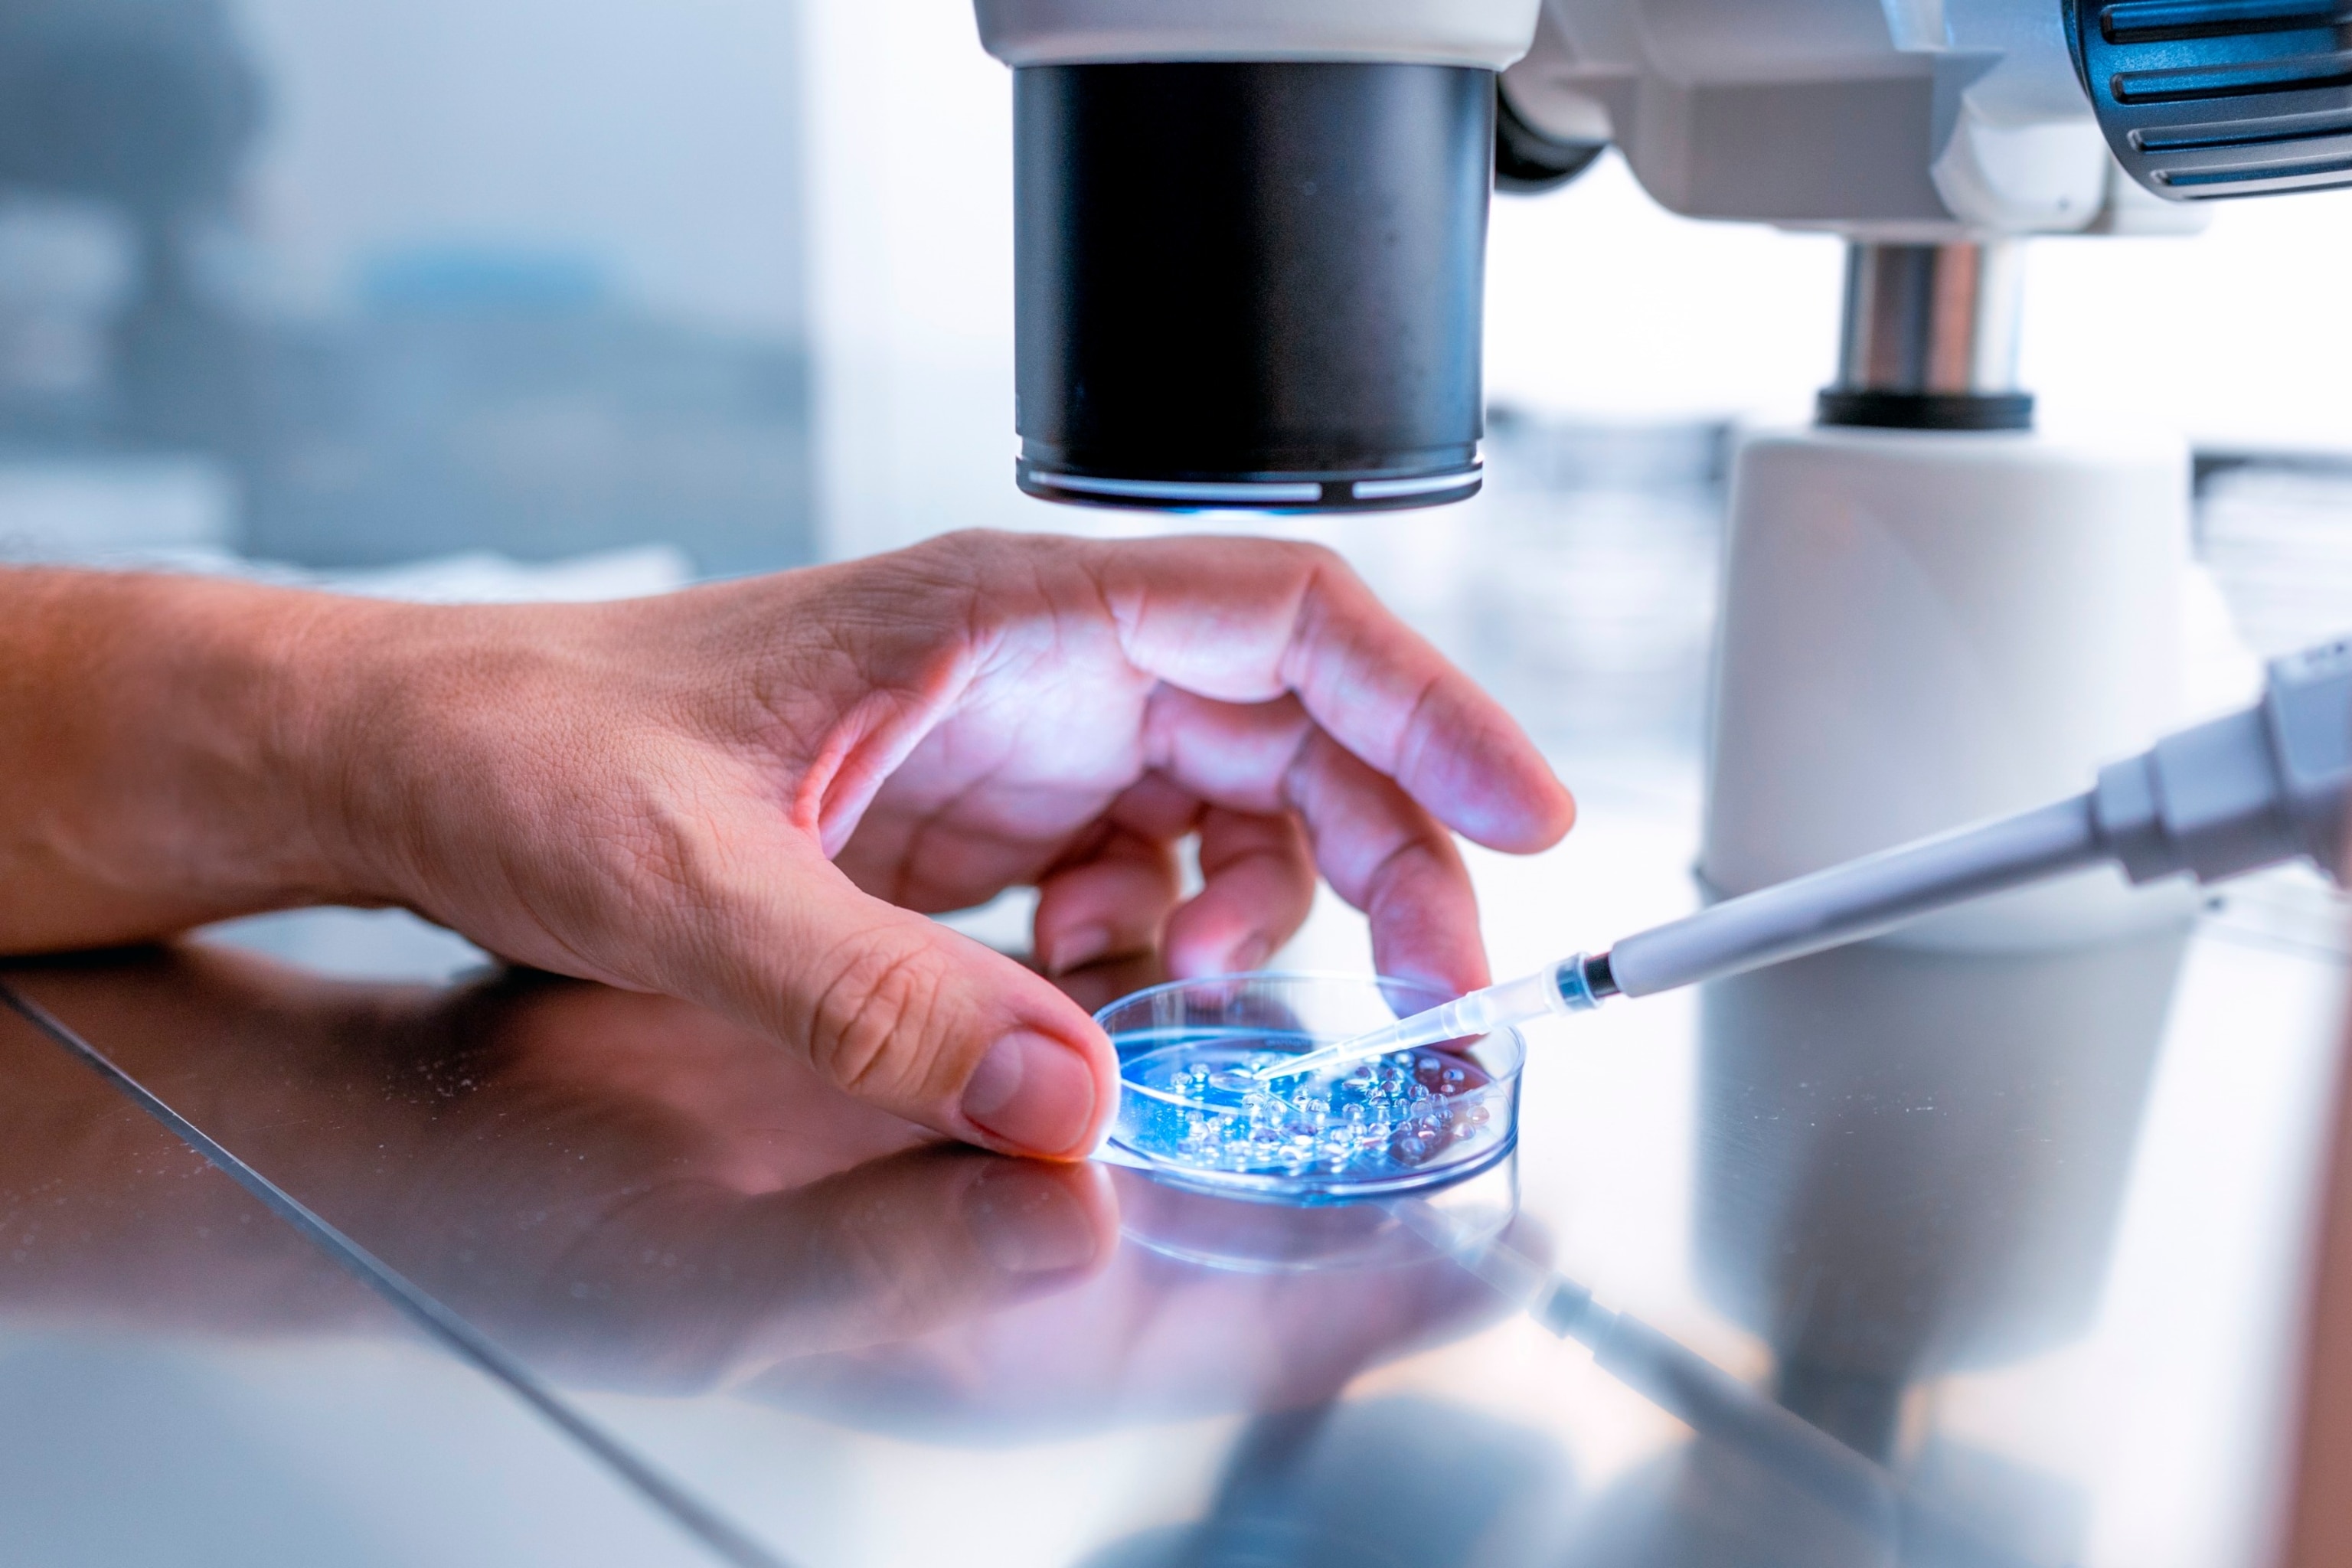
1716	1406
2237	794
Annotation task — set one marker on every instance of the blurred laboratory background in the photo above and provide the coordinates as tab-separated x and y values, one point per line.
521	297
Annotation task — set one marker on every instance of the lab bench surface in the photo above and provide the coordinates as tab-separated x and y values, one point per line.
1891	1255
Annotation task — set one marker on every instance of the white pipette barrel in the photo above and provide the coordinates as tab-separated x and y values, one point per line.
2255	789
1857	901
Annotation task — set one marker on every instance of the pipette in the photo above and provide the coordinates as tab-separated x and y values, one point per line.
2260	787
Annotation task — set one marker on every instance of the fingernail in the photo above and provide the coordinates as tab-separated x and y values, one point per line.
1250	954
1033	1092
1078	948
1027	1222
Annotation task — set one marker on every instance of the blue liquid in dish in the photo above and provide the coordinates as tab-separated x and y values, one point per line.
1399	1121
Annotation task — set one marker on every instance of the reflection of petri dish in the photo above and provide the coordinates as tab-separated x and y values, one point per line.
1247	1234
1403	1121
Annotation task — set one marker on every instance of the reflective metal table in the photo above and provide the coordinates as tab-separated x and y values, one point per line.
1886	1256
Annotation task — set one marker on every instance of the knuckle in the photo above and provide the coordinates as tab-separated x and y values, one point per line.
875	1019
657	844
1318	560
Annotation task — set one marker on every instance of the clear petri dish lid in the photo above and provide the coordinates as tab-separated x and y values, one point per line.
1190	1115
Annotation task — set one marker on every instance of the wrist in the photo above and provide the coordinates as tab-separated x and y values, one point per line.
250	704
348	742
153	738
315	667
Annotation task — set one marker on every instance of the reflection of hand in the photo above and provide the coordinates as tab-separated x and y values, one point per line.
1148	1338
694	1286
651	1197
639	1189
743	794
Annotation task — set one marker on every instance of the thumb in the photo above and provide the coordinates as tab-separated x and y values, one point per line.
907	1014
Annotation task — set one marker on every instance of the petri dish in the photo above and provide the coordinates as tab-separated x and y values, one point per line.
1407	1121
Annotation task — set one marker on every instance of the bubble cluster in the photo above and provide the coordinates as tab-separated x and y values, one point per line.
1396	1116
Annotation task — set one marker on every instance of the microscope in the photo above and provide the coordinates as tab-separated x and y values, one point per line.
1935	611
1250	246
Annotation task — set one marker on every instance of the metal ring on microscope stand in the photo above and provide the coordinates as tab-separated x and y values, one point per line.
1869	408
2205	98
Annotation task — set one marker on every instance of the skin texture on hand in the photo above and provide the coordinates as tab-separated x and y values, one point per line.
750	795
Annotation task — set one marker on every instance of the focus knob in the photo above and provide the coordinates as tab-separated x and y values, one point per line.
2204	99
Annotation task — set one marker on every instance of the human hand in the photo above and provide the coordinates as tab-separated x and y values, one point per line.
749	794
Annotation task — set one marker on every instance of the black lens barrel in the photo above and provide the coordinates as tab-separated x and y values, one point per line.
1251	284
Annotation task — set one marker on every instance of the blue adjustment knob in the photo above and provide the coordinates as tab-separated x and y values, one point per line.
2204	99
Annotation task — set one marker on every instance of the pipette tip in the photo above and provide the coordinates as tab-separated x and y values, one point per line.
1568	986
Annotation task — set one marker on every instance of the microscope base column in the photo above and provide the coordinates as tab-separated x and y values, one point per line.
1922	629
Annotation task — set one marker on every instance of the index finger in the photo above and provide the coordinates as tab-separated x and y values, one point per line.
1246	620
